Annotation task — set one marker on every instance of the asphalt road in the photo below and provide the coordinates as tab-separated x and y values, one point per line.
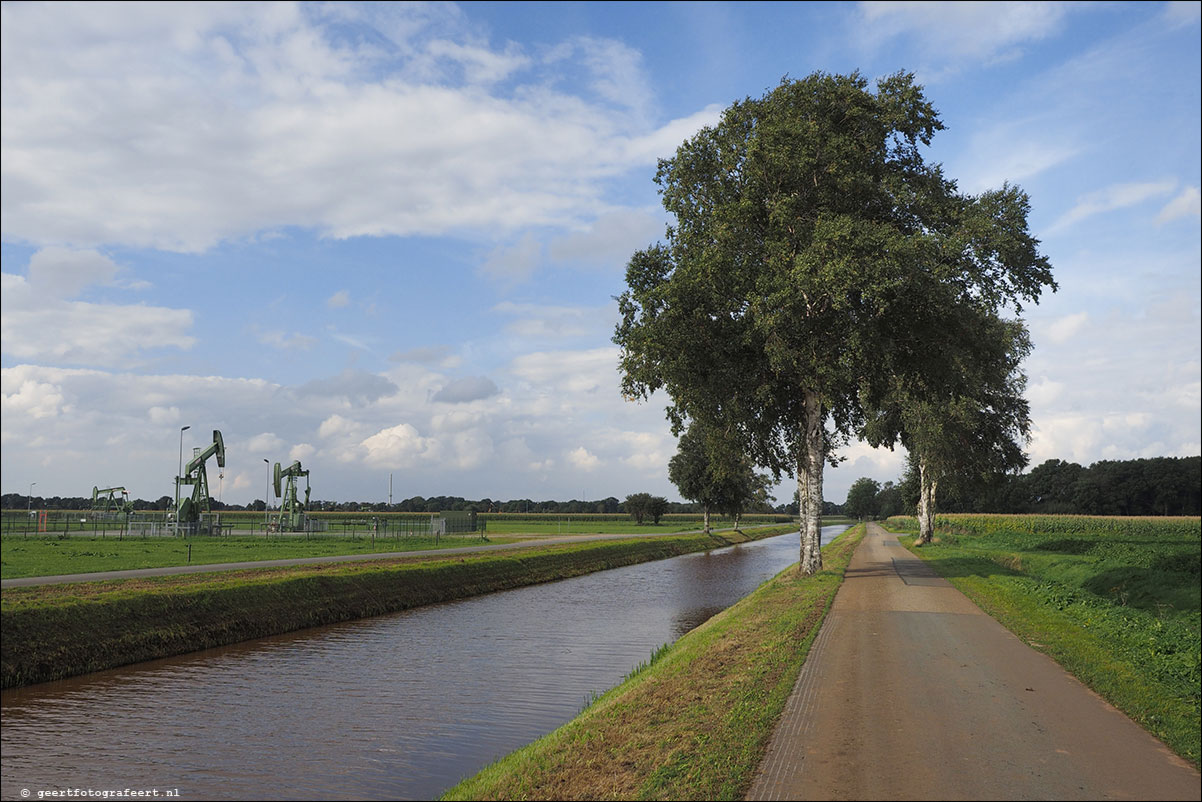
912	692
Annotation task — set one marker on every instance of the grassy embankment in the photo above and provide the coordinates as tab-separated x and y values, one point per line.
1116	601
50	556
56	631
695	722
23	555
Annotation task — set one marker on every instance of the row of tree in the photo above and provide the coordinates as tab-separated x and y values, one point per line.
821	281
635	505
1157	486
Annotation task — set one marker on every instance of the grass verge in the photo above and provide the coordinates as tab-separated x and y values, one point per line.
50	556
1117	605
57	631
695	722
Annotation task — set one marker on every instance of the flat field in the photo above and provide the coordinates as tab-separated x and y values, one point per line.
53	555
1116	601
47	554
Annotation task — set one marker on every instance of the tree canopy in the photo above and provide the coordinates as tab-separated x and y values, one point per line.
811	250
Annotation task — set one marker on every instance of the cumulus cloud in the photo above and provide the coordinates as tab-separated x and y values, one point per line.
301	451
177	128
397	447
1065	328
575	371
32	398
44	328
264	443
582	459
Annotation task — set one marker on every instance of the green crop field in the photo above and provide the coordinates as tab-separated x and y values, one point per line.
1116	601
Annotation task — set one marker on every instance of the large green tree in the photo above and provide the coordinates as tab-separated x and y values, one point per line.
809	235
708	468
861	498
960	414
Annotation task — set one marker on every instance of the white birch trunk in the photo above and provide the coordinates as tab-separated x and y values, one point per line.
926	503
809	485
706	509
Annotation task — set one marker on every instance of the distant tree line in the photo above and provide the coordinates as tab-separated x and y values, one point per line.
433	504
1156	486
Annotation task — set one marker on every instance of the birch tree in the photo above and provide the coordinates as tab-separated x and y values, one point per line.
964	414
807	234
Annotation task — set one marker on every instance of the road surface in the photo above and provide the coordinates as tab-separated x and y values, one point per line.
912	692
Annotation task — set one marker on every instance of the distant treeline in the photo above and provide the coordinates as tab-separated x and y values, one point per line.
1157	486
606	506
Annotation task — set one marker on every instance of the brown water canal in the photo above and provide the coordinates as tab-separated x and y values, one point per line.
400	706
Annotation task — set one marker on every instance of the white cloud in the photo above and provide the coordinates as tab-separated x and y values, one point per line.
43	328
32	398
337	426
180	130
301	451
163	416
397	447
1006	153
546	321
582	459
1186	204
1117	196
65	272
610	240
339	300
963	31
265	443
1064	329
586	371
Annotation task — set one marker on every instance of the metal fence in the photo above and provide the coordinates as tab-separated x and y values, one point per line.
154	524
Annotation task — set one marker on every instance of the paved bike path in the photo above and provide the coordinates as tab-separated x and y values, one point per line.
912	692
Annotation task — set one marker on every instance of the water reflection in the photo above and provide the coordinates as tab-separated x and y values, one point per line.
394	707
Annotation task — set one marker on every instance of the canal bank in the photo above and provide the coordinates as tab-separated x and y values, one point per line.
397	706
696	721
58	631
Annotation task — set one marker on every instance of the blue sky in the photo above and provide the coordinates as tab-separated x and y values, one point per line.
385	238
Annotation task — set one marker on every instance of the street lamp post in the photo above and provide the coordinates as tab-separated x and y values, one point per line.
180	469
267	496
29	498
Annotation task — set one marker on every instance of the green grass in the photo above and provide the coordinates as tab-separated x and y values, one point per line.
56	631
1116	601
694	721
48	556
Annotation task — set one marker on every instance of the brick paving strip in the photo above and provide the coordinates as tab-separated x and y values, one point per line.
912	692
